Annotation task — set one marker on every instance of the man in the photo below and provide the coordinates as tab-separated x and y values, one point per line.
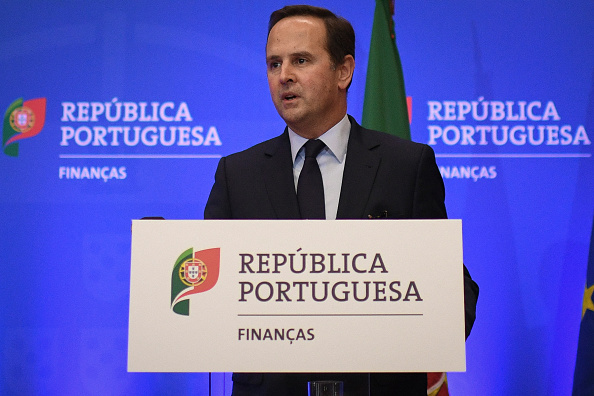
310	57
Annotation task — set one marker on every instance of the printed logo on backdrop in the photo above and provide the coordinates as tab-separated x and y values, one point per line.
122	131
193	272
499	129
22	120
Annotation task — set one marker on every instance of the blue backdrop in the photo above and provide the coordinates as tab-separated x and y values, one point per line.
143	98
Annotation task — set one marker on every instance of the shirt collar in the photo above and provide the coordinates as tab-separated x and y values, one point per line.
336	139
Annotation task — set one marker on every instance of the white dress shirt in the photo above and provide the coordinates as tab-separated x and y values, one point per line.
331	161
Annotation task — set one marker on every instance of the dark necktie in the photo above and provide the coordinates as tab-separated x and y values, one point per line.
310	188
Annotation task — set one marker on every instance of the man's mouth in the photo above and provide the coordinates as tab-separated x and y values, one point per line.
289	96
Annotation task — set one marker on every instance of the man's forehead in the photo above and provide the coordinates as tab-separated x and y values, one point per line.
298	21
299	31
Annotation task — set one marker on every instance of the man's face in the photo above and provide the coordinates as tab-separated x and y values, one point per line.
304	84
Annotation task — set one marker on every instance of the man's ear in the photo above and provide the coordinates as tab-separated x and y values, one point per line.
345	72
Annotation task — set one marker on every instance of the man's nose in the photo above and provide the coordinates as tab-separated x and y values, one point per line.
287	74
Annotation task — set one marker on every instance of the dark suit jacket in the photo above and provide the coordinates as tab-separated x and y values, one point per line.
384	176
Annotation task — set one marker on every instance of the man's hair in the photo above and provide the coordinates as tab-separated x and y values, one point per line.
340	35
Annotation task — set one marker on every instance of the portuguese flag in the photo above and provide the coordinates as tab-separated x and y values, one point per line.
385	107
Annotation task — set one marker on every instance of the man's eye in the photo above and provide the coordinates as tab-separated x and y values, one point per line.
274	65
301	61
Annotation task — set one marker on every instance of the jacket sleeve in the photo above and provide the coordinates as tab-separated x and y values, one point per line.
429	203
471	292
429	196
217	206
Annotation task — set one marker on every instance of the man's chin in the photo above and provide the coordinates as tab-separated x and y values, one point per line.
292	118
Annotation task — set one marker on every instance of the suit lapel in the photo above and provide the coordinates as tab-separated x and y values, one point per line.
278	178
359	174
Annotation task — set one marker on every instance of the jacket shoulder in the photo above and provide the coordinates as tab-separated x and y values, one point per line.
260	150
395	146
